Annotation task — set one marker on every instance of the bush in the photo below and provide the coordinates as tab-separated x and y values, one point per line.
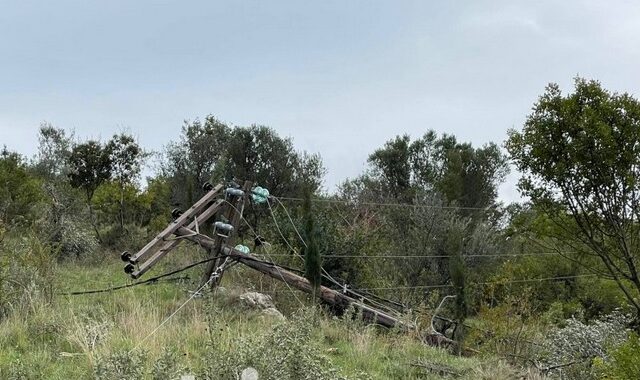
623	361
581	343
26	273
19	190
120	365
167	366
560	312
65	223
286	352
507	329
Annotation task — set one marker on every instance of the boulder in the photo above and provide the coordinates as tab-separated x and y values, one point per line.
249	373
257	301
274	313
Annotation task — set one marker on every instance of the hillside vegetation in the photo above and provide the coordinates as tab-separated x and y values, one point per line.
547	288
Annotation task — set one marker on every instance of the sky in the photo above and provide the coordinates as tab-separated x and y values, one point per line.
340	77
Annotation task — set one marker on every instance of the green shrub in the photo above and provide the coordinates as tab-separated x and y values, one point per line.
286	352
580	343
559	312
167	366
26	273
623	361
20	191
120	365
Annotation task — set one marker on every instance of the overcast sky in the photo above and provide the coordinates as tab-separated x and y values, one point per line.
339	77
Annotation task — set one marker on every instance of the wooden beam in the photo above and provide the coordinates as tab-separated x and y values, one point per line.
169	245
327	295
180	222
232	215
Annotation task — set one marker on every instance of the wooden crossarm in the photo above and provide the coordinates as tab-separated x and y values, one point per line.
169	245
159	240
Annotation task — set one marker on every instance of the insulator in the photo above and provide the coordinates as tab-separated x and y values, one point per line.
258	241
175	213
129	268
234	192
207	186
125	256
223	226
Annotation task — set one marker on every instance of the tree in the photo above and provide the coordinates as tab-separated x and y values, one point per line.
214	151
126	158
54	150
466	176
258	154
194	158
454	246
311	251
580	159
90	165
19	190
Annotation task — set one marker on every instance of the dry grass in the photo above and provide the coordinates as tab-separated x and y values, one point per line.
73	336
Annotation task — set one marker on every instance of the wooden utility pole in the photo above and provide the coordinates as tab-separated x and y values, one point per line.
230	203
234	207
328	295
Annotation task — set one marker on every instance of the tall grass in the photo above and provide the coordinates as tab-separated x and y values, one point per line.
107	335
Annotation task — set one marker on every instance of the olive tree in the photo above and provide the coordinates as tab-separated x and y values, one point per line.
580	158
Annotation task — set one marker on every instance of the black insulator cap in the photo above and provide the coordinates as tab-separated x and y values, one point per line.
258	241
175	213
129	268
125	256
207	186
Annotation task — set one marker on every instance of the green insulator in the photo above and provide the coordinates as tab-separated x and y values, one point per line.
259	194
242	248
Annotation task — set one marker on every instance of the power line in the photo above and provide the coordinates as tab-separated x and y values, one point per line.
425	256
325	273
483	283
266	251
148	281
160	278
409	205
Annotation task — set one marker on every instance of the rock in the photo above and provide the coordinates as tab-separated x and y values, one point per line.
274	313
249	373
255	300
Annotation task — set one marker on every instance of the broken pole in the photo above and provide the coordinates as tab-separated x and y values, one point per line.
327	295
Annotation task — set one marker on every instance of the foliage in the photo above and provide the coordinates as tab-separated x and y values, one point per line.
460	173
120	365
258	154
54	151
580	155
62	222
212	150
622	361
168	366
286	352
457	272
26	273
90	166
508	329
193	159
311	251
581	343
126	158
19	191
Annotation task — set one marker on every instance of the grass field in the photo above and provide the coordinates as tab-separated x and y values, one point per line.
109	335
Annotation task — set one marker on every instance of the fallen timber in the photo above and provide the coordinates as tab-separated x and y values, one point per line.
327	295
227	205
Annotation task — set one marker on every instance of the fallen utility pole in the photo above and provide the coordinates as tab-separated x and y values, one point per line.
328	295
227	204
